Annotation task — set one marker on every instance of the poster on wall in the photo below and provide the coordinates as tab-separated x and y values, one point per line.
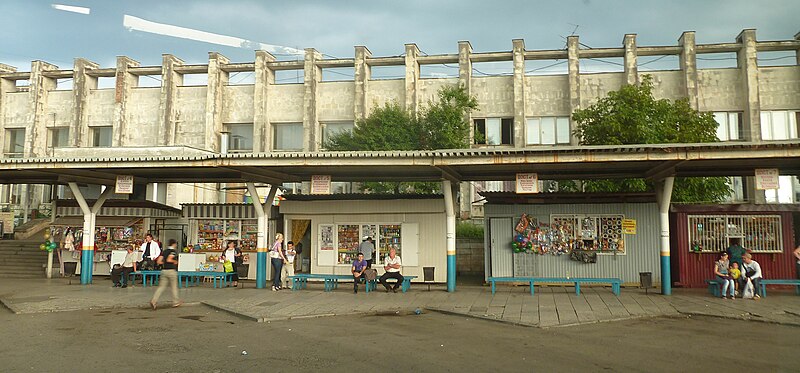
326	237
629	226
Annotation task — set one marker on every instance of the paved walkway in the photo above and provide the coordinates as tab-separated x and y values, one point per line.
552	306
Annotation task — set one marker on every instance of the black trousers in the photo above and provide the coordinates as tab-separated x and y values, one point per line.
369	263
356	280
395	275
126	273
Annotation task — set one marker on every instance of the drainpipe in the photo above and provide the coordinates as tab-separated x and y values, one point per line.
451	235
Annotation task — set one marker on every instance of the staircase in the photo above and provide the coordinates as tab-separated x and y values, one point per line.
23	259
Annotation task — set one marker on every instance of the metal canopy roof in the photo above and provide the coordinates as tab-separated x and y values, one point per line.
584	162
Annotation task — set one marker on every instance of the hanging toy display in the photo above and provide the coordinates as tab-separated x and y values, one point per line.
522	240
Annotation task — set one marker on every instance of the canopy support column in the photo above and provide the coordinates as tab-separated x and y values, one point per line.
89	219
664	195
451	234
263	211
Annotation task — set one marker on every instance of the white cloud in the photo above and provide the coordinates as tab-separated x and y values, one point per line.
71	8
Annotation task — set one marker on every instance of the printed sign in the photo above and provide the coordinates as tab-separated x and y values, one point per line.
326	237
320	184
766	178
124	184
7	220
629	226
527	183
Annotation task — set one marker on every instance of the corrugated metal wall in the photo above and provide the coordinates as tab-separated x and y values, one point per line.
501	230
642	251
692	269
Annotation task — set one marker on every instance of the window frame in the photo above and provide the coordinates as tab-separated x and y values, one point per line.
276	126
11	141
792	124
728	115
506	130
727	227
96	139
52	134
230	128
557	133
325	125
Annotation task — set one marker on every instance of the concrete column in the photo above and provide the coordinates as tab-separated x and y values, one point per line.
748	68
688	61
450	230
217	80
311	78
263	211
664	196
797	52
519	92
125	83
631	69
82	83
363	73
465	80
574	74
89	218
170	80
412	77
265	79
6	86
40	86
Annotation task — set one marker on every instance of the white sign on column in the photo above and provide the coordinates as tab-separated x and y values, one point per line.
124	184
767	178
527	183
320	184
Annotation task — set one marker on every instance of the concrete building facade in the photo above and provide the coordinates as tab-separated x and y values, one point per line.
520	109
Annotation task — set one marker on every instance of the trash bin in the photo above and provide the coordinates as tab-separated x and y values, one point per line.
645	280
427	275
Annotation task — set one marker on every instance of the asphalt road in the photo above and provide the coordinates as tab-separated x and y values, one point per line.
197	338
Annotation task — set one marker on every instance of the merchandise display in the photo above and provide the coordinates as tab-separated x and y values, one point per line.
212	234
566	233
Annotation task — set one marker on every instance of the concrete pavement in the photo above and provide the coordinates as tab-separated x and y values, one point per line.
552	306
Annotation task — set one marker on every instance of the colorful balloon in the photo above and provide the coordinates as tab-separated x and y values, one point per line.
42	247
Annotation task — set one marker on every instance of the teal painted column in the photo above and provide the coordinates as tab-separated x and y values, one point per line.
261	269
451	272
87	265
666	276
450	229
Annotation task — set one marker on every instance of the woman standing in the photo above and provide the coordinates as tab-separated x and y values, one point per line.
276	254
723	276
234	254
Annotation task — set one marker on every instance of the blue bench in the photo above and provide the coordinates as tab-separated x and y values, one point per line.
194	277
764	282
331	282
153	275
576	281
714	287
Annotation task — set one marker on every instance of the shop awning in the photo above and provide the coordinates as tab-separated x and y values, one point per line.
102	221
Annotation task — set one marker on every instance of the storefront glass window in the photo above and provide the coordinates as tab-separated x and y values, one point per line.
714	233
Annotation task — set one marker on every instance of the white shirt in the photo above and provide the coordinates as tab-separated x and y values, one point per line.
155	250
290	254
390	261
230	255
753	266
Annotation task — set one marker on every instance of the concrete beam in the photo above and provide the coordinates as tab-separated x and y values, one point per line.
519	92
265	78
574	73
363	73
311	78
688	62
412	77
797	51
6	86
631	68
217	80
36	131
125	83
170	80
82	83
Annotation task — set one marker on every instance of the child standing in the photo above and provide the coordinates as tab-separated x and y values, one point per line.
735	273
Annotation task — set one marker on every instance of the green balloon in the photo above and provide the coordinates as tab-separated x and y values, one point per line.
52	245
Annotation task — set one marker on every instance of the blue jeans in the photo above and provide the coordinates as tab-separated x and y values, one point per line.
277	266
726	283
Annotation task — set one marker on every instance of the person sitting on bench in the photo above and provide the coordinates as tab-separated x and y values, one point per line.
359	266
392	266
751	271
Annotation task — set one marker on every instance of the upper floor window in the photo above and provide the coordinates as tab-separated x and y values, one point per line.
15	143
547	131
332	128
288	136
494	131
729	127
59	137
779	125
101	136
240	138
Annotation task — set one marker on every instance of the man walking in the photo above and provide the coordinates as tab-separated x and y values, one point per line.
392	267
169	275
367	248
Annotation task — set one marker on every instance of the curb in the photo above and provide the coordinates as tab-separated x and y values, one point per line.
755	319
454	313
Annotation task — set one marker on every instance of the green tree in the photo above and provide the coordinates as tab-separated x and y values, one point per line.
441	124
632	115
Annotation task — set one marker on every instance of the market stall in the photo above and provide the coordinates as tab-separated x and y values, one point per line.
563	235
334	225
120	224
701	232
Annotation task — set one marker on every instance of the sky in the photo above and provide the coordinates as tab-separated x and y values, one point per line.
34	29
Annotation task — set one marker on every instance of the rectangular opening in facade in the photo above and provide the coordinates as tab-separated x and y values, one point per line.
240	137
101	136
716	60
777	58
498	68
64	84
332	128
658	63
58	137
729	125
388	72
106	82
494	131
547	130
288	136
23	85
338	74
602	65
546	67
14	146
438	71
242	78
195	80
780	124
149	81
289	77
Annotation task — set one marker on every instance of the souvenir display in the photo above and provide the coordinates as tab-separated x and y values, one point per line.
348	240
567	233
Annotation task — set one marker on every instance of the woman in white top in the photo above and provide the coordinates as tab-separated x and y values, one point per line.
277	258
234	255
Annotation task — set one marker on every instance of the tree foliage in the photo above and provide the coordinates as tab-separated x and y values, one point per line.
441	124
632	115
